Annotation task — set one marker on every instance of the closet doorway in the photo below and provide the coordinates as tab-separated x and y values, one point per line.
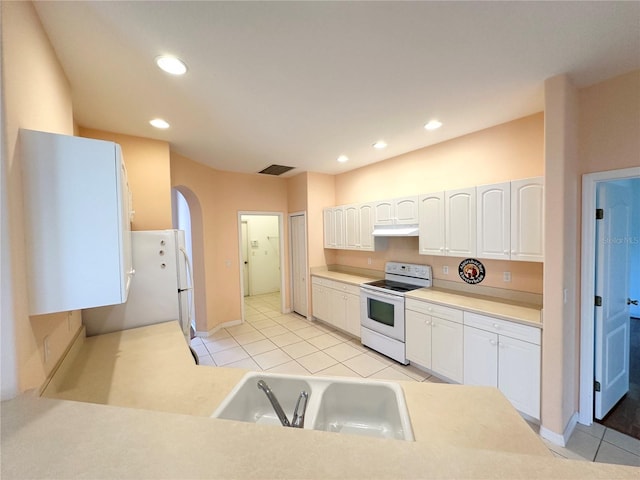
261	248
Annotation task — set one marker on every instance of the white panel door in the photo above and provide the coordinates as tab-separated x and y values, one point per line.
480	357
406	210
612	322
460	222
338	213
365	226
299	264
431	223
351	227
519	374
494	221
527	220
383	212
418	338
446	348
329	220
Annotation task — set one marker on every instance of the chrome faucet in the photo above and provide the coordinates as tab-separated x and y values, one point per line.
298	419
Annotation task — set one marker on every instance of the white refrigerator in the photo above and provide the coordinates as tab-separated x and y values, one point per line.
161	288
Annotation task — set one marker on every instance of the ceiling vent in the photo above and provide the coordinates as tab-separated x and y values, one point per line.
276	170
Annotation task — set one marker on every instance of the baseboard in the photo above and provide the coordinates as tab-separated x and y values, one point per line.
231	323
558	439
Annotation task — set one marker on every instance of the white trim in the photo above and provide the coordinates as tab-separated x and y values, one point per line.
280	216
306	260
587	282
558	439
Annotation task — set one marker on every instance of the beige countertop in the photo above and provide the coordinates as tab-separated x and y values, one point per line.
520	312
499	308
141	409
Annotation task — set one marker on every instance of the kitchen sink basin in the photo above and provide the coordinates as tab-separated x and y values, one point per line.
342	405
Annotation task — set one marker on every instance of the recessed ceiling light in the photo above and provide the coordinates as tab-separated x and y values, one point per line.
343	158
172	65
159	123
380	144
433	125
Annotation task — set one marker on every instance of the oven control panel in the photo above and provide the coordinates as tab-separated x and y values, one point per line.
408	270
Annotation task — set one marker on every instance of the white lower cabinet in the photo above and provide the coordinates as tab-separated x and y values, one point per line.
336	303
506	355
434	338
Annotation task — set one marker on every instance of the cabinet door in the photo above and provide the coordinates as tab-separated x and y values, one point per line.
460	222
431	222
353	314
527	220
320	302
76	226
494	221
406	210
329	220
519	374
383	212
418	338
446	348
480	357
351	227
337	309
338	213
365	226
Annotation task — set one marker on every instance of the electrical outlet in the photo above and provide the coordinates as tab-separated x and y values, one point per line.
368	260
445	270
46	348
506	276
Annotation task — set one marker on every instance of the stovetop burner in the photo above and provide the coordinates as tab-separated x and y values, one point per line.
394	286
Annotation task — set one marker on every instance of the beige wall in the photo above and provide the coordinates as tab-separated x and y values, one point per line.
36	95
221	196
505	152
321	193
148	165
610	124
560	336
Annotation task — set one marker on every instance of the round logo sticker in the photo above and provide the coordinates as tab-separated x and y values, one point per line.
471	271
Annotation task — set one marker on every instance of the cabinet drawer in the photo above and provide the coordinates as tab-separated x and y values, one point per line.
336	285
435	310
503	327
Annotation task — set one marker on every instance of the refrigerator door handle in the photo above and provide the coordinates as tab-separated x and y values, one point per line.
187	262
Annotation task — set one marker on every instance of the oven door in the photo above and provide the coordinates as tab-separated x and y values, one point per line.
382	313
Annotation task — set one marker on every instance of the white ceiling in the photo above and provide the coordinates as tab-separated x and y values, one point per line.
300	83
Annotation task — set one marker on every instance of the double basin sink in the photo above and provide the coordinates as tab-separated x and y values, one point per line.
342	405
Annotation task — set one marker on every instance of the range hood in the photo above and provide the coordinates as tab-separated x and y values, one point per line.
395	230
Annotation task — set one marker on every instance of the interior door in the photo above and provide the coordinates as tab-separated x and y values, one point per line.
299	264
245	258
612	323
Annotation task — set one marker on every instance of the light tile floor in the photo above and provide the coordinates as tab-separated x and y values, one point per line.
271	341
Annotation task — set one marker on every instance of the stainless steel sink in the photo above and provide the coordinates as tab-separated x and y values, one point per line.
342	405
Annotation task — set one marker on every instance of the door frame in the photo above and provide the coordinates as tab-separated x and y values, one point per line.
590	182
306	259
281	259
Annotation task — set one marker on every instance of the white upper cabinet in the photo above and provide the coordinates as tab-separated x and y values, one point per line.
494	221
397	211
333	227
365	226
431	210
76	219
527	220
351	226
460	222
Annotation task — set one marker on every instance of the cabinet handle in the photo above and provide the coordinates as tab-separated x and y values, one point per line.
513	252
506	252
496	326
441	249
493	342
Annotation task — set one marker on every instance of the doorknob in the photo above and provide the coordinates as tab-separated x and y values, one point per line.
632	302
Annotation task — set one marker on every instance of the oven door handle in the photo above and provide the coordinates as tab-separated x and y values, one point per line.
376	293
